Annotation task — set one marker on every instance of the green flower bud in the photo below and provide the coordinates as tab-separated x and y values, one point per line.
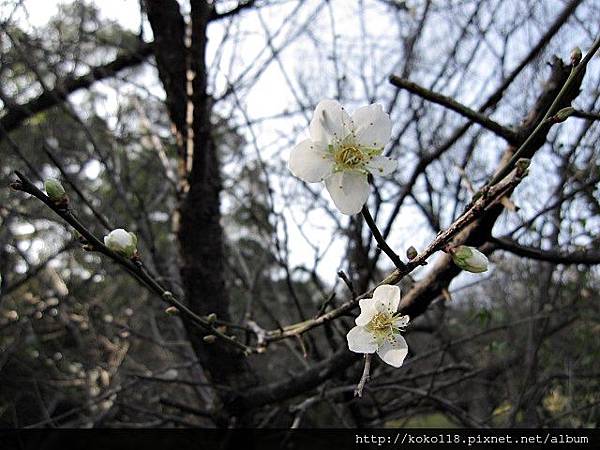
211	318
55	190
469	259
564	114
122	242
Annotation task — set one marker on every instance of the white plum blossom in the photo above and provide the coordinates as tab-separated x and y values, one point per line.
122	242
469	259
343	150
378	326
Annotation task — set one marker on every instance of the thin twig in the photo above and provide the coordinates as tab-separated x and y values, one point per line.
380	240
348	282
136	270
576	72
366	375
474	211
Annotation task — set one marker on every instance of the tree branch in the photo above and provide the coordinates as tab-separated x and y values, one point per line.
506	133
16	114
587	257
25	185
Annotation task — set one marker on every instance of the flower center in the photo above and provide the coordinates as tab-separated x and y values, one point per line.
381	323
349	157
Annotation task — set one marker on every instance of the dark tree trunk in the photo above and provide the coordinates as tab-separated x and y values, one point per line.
182	70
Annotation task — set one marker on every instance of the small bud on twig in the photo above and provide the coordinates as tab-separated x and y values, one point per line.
16	185
468	258
122	242
55	191
171	310
209	339
211	318
562	115
576	56
522	165
411	252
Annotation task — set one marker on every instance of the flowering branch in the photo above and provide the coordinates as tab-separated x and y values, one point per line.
483	201
134	267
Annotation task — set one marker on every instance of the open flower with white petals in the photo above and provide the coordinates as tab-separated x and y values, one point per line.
379	325
343	150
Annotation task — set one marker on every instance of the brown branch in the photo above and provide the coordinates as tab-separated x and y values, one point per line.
586	115
491	101
294	385
485	201
572	84
417	300
587	257
136	270
477	117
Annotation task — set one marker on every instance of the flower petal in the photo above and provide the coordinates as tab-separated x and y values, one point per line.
367	311
349	191
393	351
330	122
401	321
388	295
382	165
372	126
361	341
310	162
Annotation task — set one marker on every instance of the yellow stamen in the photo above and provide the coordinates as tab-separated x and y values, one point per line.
349	157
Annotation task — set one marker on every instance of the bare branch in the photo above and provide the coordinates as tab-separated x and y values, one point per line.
17	114
506	133
587	257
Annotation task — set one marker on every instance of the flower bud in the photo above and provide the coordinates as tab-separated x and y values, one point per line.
122	242
55	190
411	252
171	310
469	259
209	339
523	164
564	114
576	56
211	318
